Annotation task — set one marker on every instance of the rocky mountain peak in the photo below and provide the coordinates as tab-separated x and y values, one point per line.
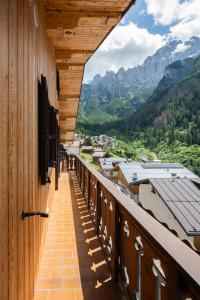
148	75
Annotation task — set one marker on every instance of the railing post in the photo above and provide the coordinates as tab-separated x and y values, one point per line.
116	237
160	277
88	190
98	206
140	252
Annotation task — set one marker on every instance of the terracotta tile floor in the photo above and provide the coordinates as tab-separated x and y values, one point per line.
72	265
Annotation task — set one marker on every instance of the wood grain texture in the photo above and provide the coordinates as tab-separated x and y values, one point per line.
25	147
23	59
4	151
20	152
13	159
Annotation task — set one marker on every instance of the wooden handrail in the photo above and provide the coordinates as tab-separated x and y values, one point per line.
120	224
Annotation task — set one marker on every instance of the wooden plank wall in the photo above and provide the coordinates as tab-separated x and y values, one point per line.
4	151
25	53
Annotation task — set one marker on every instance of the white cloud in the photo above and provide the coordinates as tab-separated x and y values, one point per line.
181	48
182	16
164	12
126	46
185	30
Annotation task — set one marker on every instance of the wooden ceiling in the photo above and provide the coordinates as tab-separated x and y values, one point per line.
77	28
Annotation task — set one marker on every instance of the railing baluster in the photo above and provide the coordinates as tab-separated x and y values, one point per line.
140	252
160	277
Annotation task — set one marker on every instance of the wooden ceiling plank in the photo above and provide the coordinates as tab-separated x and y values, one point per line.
66	66
101	6
72	57
67	96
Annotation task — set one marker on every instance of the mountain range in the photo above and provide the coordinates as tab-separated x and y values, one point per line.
117	95
173	106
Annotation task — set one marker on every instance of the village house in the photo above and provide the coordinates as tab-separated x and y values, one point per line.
134	173
98	155
75	147
95	139
169	192
103	141
87	149
109	167
175	202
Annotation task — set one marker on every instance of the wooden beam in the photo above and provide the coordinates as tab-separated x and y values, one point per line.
65	66
66	96
64	19
69	124
72	51
65	55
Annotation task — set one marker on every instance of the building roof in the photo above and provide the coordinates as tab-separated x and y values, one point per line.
87	147
183	199
98	149
76	143
98	154
135	173
108	163
196	181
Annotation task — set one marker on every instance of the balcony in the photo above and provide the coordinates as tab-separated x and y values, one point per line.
100	244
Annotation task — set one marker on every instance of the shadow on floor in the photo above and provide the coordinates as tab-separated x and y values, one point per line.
95	276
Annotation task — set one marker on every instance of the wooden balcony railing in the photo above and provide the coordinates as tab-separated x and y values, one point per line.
147	260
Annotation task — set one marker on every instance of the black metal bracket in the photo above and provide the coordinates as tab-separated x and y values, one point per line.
26	214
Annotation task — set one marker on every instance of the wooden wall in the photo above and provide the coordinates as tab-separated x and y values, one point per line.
4	151
25	53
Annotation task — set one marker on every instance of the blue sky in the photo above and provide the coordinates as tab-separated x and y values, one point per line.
146	27
143	20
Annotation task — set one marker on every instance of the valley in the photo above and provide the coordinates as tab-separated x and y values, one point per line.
160	114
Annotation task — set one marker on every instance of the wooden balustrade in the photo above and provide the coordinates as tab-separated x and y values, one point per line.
148	260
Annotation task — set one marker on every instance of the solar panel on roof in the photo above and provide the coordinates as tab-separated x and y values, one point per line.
162	166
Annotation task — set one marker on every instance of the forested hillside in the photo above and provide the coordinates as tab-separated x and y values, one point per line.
168	123
171	113
116	109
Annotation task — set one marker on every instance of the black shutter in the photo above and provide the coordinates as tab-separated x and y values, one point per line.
57	152
49	134
52	157
43	130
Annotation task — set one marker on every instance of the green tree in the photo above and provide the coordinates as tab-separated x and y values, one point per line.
88	141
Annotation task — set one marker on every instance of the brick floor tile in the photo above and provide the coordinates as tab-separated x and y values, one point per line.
49	283
41	295
62	295
71	283
65	268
